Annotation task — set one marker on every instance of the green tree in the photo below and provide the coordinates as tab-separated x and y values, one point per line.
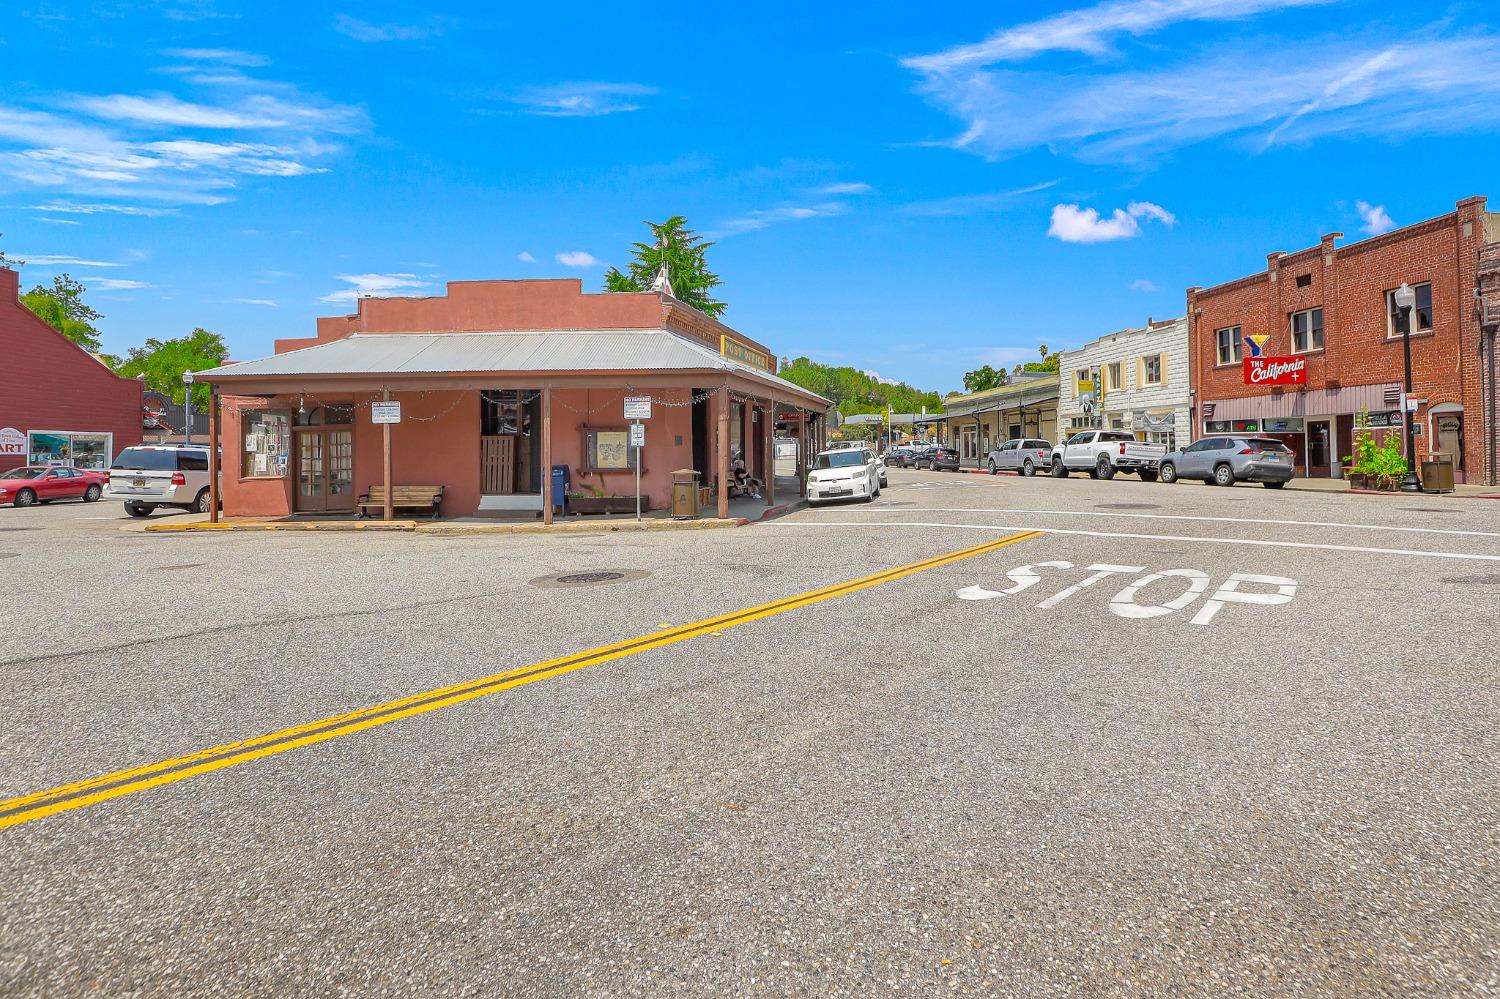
854	391
164	361
686	257
9	261
984	378
62	307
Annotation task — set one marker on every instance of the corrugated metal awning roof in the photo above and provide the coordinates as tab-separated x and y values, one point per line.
497	353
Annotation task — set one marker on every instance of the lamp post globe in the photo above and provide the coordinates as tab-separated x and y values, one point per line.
1405	299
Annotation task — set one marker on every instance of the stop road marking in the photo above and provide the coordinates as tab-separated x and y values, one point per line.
1127	604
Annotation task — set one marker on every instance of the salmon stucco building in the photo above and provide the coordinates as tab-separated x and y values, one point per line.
497	382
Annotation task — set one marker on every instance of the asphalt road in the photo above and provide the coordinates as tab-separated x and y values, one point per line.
1169	781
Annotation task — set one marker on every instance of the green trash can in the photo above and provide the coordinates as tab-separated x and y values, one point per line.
1437	475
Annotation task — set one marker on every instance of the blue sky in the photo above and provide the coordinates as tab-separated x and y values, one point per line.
911	192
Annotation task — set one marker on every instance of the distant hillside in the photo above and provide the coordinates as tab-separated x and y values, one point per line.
854	392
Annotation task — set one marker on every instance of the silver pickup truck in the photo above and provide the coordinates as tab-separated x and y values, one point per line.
1102	453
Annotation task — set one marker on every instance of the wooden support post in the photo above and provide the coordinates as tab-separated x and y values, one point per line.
547	454
802	455
389	511
213	450
768	417
722	461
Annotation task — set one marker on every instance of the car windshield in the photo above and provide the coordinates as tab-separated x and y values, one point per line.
24	472
1266	444
839	459
146	459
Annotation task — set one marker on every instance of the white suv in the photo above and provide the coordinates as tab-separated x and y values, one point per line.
147	477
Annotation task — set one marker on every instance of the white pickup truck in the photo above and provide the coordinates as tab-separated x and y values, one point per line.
1102	453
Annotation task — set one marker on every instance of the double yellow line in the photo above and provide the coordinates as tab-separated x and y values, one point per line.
28	808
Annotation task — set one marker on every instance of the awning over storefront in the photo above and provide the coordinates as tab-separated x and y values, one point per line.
1314	402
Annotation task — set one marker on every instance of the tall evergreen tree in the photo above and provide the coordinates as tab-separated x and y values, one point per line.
685	255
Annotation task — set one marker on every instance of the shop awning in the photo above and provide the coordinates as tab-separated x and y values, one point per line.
498	353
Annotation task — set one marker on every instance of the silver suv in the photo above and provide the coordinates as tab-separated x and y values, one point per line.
147	477
1227	460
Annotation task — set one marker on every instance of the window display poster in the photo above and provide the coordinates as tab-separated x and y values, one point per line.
612	449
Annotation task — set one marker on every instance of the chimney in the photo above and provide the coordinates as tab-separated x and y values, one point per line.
10	285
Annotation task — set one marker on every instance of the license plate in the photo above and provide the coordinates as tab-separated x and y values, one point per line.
1270	456
138	483
836	492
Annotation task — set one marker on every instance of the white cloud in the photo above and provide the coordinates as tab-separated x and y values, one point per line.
882	379
578	258
50	221
268	303
973	204
229	57
525	257
1211	85
112	284
44	260
1074	224
72	208
848	187
757	220
1375	218
1090	30
364	31
582	100
1143	285
374	286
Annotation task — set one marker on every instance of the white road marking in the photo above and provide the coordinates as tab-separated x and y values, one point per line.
1211	520
1123	604
1461	556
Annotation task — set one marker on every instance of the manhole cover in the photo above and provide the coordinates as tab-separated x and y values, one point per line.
590	577
9	554
596	578
1127	506
17	528
1427	509
186	565
1493	579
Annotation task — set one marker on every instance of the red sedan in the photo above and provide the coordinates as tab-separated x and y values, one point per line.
40	484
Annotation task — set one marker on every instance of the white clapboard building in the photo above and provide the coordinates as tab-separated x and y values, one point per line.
1133	379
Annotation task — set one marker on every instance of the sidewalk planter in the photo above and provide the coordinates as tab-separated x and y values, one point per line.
1355	479
606	504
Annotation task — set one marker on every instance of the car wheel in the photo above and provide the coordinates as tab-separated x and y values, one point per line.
1273	485
870	496
202	503
92	493
1103	469
1147	475
1028	469
140	509
1169	473
1059	470
884	483
24	498
1223	475
993	469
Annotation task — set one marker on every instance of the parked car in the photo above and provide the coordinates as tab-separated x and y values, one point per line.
844	473
938	457
900	456
1022	455
1102	453
43	483
147	477
879	466
845	445
1227	460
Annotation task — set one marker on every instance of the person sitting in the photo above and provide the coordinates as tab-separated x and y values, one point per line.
746	483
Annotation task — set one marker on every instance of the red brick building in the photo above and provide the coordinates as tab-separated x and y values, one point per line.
1327	311
58	403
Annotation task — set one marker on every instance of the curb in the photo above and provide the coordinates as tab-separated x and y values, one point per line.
780	510
1397	494
413	527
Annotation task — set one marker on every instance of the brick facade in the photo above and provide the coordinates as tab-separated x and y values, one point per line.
50	385
1360	365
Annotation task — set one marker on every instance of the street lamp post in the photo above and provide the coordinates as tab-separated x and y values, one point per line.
188	404
1405	298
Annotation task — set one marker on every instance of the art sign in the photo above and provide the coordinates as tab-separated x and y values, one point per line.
1275	370
12	442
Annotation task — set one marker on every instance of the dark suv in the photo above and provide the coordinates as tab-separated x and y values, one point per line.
939	458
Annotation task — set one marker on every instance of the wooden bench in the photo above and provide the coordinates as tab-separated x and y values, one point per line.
403	497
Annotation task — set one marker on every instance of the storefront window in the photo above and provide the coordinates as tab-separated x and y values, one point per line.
267	442
609	450
84	450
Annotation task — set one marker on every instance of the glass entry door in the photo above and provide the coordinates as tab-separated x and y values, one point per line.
325	470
